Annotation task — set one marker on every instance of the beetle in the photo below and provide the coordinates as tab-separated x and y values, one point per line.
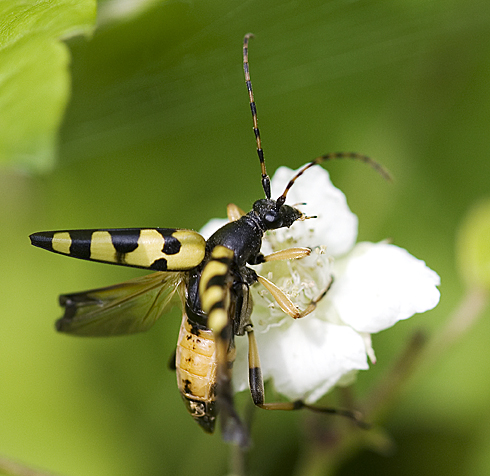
211	280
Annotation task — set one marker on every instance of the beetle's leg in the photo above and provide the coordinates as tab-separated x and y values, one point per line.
214	292
234	212
290	253
286	304
256	383
281	255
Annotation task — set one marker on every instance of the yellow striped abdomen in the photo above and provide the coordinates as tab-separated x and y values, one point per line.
195	362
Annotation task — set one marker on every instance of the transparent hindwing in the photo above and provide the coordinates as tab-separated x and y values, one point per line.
126	308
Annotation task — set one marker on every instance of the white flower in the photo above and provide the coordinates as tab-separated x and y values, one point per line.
375	285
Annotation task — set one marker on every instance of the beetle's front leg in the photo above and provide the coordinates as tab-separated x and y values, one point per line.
290	253
286	304
281	255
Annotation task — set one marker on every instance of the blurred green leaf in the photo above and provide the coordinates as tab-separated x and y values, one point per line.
474	246
34	77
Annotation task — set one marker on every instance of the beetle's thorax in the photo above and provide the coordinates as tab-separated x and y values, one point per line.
243	237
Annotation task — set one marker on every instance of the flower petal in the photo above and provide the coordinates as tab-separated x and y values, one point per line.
307	358
335	225
379	284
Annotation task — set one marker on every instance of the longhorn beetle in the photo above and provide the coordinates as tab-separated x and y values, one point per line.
211	278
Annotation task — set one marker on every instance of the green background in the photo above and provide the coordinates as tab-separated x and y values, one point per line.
157	132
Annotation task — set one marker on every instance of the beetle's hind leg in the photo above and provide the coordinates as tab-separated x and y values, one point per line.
214	291
256	383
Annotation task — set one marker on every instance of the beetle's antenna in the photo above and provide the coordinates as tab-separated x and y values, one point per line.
333	156
266	183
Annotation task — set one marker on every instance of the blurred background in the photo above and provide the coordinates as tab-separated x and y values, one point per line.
152	128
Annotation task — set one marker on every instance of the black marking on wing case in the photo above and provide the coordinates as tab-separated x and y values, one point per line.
125	241
80	244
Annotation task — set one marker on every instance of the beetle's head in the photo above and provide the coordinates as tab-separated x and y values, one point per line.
275	215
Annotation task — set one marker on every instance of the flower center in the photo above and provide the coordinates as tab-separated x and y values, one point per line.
301	280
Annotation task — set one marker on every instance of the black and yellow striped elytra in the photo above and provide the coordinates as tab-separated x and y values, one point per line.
210	280
160	249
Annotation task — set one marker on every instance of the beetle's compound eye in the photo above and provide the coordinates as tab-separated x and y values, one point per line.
268	213
271	216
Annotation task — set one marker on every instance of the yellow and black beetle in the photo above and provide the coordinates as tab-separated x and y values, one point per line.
212	279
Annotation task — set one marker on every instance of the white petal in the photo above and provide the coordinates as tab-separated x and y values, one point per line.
379	284
240	367
336	225
308	358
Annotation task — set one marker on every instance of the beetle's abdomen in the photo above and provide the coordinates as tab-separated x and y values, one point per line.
195	362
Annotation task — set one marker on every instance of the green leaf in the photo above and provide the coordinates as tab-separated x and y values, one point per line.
34	76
